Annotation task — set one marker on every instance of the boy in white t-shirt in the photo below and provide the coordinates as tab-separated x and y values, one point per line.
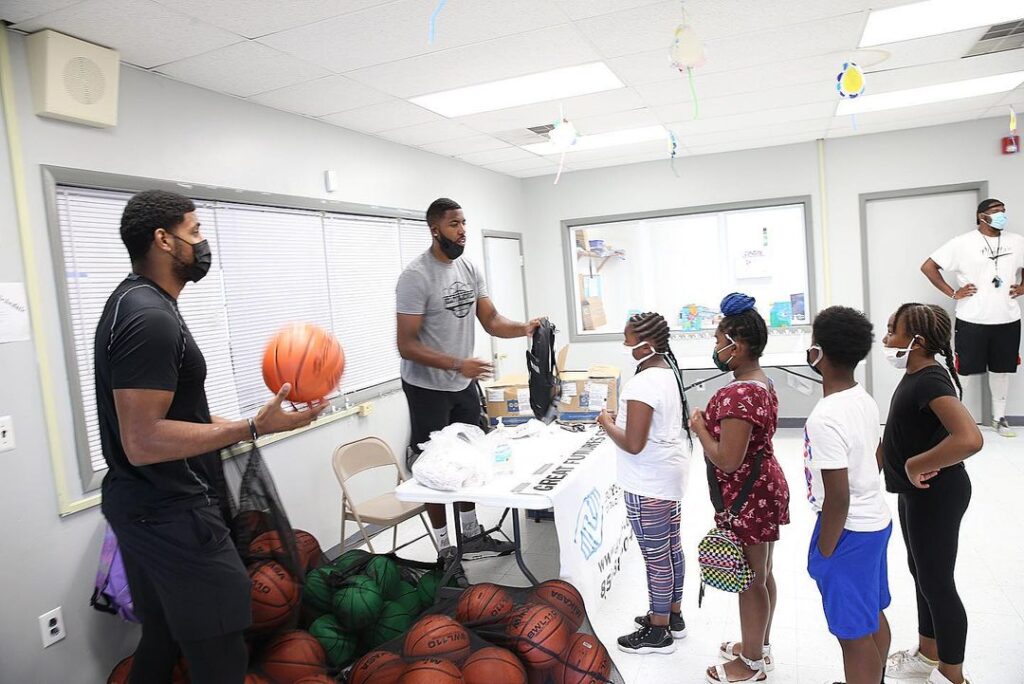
653	467
847	554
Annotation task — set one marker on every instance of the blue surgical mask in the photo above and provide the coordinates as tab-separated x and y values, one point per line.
997	220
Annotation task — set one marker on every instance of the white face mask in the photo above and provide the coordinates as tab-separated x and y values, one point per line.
628	351
897	357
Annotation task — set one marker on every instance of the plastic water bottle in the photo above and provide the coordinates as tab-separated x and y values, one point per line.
502	451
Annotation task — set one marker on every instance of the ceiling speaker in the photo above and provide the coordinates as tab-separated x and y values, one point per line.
73	80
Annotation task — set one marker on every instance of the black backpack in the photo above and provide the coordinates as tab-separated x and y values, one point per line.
545	386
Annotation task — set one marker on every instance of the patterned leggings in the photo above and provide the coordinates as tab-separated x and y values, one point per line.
656	526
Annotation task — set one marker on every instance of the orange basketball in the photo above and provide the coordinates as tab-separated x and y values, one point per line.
484	603
275	595
565	598
431	671
437	636
309	550
254	678
493	665
539	634
307	357
121	672
377	667
584	661
316	679
293	655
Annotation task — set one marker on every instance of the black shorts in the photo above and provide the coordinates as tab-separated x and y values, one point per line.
980	348
433	410
182	565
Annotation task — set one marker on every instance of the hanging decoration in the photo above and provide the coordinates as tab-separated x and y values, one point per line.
850	85
432	32
562	136
687	53
673	152
1013	121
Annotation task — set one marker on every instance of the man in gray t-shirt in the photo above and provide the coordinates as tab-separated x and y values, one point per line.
438	296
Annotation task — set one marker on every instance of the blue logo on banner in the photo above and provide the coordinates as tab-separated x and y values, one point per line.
590	524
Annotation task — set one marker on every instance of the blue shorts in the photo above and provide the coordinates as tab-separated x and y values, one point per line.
853	581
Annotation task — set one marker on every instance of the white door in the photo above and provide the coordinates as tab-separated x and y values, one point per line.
901	234
503	259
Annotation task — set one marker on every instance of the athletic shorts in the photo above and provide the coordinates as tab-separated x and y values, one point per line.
183	564
433	410
853	581
981	348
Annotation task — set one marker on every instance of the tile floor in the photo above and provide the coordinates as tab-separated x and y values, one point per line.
988	573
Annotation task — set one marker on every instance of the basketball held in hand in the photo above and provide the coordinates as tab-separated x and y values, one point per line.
306	357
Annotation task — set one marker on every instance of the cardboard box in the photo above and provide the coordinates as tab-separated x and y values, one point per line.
508	399
592	309
586	393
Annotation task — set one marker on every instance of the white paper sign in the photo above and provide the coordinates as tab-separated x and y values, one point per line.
523	395
496	395
14	323
569	389
598	394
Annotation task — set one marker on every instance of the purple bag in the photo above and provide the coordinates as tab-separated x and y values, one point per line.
111	594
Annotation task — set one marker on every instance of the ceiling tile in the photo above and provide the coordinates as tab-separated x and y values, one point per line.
746	145
382	117
539	114
644	67
243	69
523	164
255	18
399	29
943	72
616	121
745	120
500	155
531	173
633	30
460	146
493	60
321	97
945	47
966	109
810	129
20	10
903	124
752	104
145	33
624	160
581	9
424	134
645	148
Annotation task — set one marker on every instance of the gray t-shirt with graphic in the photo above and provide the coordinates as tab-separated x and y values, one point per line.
445	295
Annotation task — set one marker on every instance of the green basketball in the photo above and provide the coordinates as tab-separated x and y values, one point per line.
385	572
358	602
340	645
318	592
350	559
427	588
409	597
394	621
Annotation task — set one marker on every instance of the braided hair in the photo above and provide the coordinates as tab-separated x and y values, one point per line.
653	329
741	321
932	323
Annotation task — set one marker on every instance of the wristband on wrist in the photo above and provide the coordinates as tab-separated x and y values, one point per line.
252	429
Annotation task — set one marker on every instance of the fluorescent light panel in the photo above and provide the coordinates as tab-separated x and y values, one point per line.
943	92
599	140
521	90
935	17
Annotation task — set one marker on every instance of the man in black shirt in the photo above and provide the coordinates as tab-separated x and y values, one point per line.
165	485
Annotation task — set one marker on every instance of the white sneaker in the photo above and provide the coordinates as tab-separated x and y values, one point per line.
1002	427
937	677
909	665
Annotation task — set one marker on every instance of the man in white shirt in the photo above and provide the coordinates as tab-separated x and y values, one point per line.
988	264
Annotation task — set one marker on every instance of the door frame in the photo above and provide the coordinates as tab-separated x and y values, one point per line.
506	235
980	189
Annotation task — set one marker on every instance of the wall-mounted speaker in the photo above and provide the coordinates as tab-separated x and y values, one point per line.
73	80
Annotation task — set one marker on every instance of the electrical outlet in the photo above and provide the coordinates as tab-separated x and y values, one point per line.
366	409
51	627
6	433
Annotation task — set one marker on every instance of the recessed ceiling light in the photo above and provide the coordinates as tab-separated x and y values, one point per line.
943	92
934	17
511	92
599	140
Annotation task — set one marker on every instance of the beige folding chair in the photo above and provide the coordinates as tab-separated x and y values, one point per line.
384	510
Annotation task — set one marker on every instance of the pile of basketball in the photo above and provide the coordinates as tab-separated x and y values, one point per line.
537	641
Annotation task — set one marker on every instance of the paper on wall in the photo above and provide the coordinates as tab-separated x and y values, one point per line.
14	322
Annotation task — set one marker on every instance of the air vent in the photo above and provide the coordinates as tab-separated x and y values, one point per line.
542	130
999	38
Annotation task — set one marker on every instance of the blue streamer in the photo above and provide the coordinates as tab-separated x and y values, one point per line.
433	21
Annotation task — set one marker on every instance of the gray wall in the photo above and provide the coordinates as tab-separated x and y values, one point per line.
172	131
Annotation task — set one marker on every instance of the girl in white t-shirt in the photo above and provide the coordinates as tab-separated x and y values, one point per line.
653	464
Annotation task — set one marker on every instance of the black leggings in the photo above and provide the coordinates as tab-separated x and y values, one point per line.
930	519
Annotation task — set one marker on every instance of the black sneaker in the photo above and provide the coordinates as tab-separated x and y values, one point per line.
650	639
485	546
676	624
447	558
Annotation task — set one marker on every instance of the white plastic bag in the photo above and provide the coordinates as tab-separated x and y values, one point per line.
455	457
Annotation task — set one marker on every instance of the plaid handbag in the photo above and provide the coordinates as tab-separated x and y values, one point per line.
720	553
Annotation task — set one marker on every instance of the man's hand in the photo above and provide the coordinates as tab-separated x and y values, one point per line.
476	369
273	418
966	291
530	327
1017	290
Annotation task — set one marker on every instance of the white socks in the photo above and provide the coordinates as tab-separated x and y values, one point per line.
442	537
999	384
470	525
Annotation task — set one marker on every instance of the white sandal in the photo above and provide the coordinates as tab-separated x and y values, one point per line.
758	666
725	652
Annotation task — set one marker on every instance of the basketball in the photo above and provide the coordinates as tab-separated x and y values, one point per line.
339	645
119	675
431	671
307	357
254	678
539	634
316	679
377	667
407	595
350	559
484	603
293	655
248	525
275	595
493	665
427	588
564	597
357	603
394	621
437	636
384	571
319	589
584	661
309	550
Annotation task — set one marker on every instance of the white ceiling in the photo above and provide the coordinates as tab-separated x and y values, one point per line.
769	78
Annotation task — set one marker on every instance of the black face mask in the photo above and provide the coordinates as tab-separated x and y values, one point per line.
202	259
451	249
